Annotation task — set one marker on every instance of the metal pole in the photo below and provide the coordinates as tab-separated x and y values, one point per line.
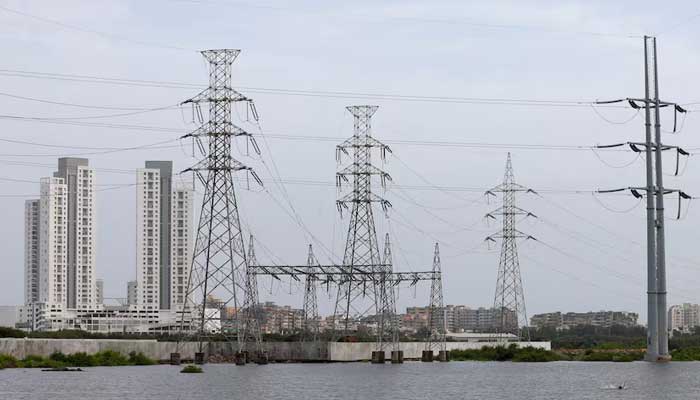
652	324
660	239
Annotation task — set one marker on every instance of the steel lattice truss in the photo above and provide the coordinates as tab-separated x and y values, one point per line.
362	250
437	323
310	323
218	276
509	300
333	274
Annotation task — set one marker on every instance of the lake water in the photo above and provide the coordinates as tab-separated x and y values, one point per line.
412	380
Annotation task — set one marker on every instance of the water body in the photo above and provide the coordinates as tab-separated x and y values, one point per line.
413	380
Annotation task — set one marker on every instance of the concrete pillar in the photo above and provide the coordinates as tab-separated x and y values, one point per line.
199	358
444	356
174	358
261	358
378	357
397	357
427	356
239	358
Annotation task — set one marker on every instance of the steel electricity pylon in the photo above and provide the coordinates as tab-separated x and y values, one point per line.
362	254
388	325
437	323
654	190
218	277
251	313
509	300
310	328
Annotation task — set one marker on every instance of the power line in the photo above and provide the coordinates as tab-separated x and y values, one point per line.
86	106
460	22
310	93
102	34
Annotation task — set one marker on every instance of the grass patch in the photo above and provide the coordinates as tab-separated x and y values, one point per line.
106	358
191	369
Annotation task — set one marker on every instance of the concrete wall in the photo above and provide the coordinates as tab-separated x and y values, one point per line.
411	350
277	351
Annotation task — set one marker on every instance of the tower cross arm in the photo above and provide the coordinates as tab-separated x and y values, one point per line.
214	95
362	142
506	211
364	169
212	128
508	187
515	234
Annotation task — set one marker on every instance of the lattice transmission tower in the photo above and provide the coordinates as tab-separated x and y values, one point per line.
388	326
356	298
218	276
310	328
252	313
509	300
437	323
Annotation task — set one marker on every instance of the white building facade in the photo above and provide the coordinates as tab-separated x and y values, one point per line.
164	237
53	270
683	317
31	251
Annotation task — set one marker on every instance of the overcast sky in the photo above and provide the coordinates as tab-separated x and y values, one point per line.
547	50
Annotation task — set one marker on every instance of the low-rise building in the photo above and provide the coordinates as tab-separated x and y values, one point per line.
605	319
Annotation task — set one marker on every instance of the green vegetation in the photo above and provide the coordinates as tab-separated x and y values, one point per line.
593	337
686	354
614	356
510	353
106	358
191	369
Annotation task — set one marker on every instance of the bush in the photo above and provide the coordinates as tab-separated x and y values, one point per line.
8	361
139	359
687	354
502	353
610	356
191	369
109	358
7	332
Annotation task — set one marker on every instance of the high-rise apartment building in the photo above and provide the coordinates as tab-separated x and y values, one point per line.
53	271
163	237
31	251
60	235
79	180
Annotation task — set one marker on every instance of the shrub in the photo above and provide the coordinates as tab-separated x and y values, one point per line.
687	354
80	360
502	353
191	369
139	359
8	361
109	358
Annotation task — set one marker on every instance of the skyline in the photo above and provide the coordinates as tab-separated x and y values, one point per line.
548	275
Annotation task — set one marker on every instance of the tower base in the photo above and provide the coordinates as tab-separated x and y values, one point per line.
239	358
427	356
378	357
444	356
397	357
